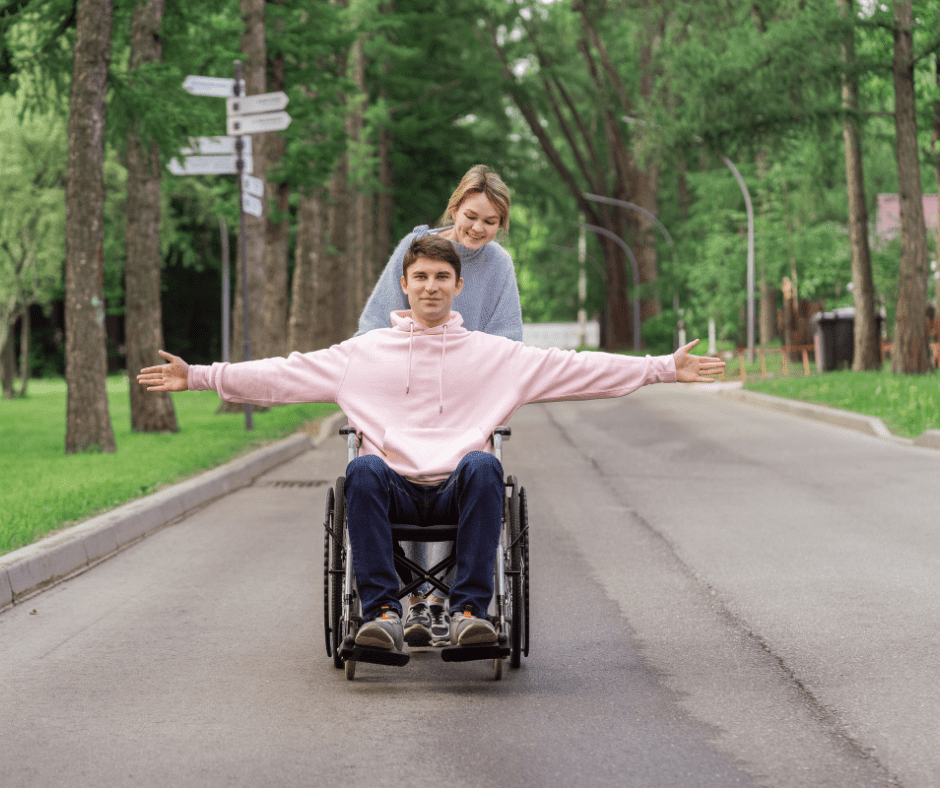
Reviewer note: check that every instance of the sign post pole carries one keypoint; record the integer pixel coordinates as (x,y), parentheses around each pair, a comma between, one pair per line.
(246,310)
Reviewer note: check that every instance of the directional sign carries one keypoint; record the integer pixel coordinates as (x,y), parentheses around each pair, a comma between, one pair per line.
(252,185)
(211,86)
(215,146)
(256,124)
(209,165)
(252,205)
(262,102)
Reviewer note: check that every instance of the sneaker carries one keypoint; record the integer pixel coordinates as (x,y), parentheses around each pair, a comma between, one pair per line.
(418,625)
(440,626)
(383,631)
(468,630)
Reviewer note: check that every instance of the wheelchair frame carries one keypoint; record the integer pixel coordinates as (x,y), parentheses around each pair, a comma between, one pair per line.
(509,609)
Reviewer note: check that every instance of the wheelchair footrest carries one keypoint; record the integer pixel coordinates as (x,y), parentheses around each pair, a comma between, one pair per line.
(470,653)
(375,656)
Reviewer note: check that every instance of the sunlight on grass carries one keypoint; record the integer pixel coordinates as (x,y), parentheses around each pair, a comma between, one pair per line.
(43,489)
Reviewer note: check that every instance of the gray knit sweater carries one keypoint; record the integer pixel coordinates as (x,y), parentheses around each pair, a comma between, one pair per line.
(488,302)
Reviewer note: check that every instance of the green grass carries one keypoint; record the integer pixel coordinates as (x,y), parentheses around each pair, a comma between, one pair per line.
(907,404)
(44,490)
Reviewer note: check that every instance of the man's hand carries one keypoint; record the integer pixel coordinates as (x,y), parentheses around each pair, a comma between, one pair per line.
(692,369)
(167,377)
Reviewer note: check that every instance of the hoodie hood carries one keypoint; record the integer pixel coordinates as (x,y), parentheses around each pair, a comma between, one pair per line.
(403,321)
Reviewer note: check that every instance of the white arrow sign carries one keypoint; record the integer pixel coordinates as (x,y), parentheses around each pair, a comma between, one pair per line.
(215,146)
(211,86)
(209,165)
(252,185)
(257,124)
(252,205)
(262,102)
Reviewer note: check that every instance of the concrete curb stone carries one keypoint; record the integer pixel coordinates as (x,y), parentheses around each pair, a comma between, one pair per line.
(929,438)
(33,568)
(869,425)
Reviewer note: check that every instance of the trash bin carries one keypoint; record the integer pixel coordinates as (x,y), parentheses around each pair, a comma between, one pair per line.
(834,337)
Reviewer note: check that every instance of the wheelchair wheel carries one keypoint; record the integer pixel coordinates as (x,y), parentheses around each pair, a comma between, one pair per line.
(327,539)
(337,569)
(516,607)
(524,525)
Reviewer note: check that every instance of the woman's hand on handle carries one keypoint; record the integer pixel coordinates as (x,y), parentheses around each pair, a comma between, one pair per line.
(167,377)
(693,369)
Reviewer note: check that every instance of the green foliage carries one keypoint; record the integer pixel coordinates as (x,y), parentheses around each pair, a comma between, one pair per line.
(43,489)
(907,404)
(32,208)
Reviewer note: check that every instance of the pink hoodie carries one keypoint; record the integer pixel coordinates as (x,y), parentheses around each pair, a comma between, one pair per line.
(423,397)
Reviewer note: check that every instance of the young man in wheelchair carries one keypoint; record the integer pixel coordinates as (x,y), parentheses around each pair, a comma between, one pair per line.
(426,395)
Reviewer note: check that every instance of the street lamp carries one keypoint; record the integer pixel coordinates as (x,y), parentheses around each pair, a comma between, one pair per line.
(750,242)
(639,209)
(636,276)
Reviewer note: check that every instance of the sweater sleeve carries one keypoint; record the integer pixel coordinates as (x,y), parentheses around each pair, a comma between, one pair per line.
(547,375)
(387,295)
(301,377)
(506,320)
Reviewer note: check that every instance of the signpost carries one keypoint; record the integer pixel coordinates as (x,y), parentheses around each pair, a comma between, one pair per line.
(211,86)
(209,165)
(230,155)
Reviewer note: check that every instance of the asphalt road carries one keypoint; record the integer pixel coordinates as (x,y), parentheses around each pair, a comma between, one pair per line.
(722,596)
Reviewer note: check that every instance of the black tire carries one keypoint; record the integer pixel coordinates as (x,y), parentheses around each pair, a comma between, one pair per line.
(524,525)
(516,607)
(337,567)
(327,539)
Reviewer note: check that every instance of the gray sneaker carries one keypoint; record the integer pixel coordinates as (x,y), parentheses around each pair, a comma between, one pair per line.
(440,626)
(383,631)
(418,625)
(468,630)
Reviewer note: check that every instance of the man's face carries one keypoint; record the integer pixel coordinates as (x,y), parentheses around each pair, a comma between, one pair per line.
(431,287)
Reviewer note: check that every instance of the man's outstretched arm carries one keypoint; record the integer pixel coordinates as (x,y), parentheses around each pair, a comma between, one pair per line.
(166,377)
(693,369)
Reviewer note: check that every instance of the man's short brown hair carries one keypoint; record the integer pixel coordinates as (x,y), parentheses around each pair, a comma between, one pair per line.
(433,247)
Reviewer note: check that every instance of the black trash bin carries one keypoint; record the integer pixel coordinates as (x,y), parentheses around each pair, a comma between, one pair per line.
(834,338)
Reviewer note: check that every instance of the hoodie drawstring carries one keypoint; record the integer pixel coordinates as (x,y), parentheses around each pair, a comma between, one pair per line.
(440,381)
(411,344)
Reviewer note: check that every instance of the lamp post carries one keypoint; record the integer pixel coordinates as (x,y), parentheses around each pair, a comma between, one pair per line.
(636,276)
(672,244)
(750,242)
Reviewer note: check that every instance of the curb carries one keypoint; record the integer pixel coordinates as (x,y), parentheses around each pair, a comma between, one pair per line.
(868,425)
(31,569)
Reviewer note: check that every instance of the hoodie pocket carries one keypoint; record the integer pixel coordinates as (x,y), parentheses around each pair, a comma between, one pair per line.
(430,451)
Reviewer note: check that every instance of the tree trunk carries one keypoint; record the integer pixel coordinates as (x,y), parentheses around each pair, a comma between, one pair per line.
(88,423)
(307,258)
(24,349)
(935,138)
(273,339)
(336,261)
(867,351)
(766,311)
(143,325)
(253,72)
(358,217)
(909,352)
(7,359)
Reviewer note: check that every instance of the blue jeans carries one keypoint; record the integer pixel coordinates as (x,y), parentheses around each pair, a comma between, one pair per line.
(471,498)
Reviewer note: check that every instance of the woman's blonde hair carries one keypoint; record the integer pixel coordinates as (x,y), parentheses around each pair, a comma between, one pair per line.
(480,179)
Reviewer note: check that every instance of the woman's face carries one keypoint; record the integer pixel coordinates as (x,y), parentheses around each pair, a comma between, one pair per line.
(476,222)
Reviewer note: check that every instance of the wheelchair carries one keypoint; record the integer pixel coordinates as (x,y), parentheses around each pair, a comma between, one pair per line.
(509,608)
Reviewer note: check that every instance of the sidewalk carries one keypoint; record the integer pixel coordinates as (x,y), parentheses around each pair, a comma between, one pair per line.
(31,569)
(869,425)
